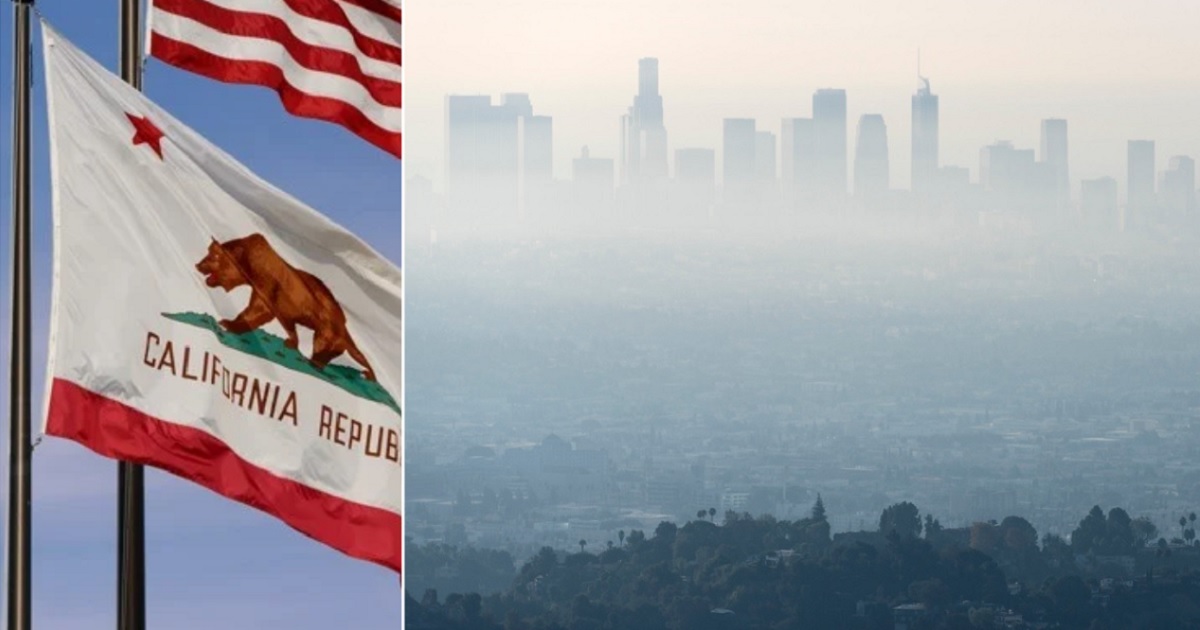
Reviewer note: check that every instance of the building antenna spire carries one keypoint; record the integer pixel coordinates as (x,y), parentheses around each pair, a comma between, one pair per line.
(924,82)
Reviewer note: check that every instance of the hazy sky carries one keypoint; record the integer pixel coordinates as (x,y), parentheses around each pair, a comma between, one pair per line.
(1115,69)
(211,563)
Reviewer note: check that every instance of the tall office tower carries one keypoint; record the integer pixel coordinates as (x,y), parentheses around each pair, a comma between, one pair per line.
(1008,175)
(482,157)
(829,127)
(537,161)
(695,180)
(1098,203)
(1179,187)
(871,175)
(798,160)
(1054,156)
(1139,183)
(498,157)
(738,155)
(592,179)
(924,137)
(643,136)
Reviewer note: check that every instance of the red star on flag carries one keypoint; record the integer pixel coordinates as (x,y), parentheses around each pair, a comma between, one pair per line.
(147,133)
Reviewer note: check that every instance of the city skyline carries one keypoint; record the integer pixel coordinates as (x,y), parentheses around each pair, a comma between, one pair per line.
(993,85)
(808,164)
(901,162)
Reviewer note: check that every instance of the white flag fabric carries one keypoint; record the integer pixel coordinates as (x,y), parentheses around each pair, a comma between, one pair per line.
(208,324)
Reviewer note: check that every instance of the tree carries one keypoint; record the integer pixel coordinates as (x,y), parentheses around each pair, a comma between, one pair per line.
(712,513)
(1118,532)
(902,518)
(1144,531)
(701,514)
(1091,531)
(621,536)
(1018,534)
(472,605)
(818,509)
(582,544)
(933,527)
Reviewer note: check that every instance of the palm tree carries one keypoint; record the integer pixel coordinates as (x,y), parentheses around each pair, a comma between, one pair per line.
(582,544)
(712,513)
(621,535)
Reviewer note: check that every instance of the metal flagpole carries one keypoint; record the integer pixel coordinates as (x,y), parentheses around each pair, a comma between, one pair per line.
(19,447)
(131,520)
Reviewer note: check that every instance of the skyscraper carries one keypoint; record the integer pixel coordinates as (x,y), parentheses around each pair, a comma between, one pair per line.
(1139,184)
(871,174)
(695,180)
(1098,203)
(924,137)
(829,126)
(1054,156)
(592,179)
(738,153)
(1178,187)
(482,156)
(797,160)
(537,161)
(497,156)
(643,136)
(1007,174)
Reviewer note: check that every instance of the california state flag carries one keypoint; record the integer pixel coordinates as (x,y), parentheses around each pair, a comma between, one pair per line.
(208,324)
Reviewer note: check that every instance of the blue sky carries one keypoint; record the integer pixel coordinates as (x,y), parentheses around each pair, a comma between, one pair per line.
(211,563)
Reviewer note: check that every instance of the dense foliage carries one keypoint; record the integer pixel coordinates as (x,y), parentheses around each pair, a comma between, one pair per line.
(764,573)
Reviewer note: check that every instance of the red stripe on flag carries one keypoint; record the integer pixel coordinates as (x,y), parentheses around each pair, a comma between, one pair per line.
(273,28)
(116,430)
(296,102)
(381,7)
(330,11)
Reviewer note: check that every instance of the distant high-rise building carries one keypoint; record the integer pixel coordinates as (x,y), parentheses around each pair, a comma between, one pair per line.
(643,135)
(498,157)
(797,159)
(1098,203)
(924,137)
(1139,183)
(537,160)
(592,179)
(695,179)
(871,175)
(739,150)
(1054,156)
(738,155)
(696,165)
(829,126)
(482,155)
(1179,186)
(1013,179)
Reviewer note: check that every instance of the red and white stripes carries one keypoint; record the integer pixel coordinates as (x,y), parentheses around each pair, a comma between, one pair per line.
(335,60)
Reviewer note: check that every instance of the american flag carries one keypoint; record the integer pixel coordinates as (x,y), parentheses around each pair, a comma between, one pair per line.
(334,60)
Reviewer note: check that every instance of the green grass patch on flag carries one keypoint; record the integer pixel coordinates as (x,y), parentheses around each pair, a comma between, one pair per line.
(271,348)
